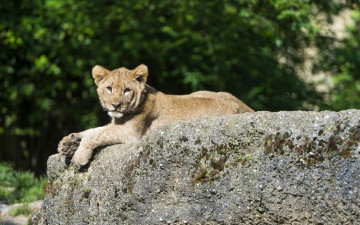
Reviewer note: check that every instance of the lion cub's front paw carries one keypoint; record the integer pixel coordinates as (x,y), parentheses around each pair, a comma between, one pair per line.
(81,156)
(68,145)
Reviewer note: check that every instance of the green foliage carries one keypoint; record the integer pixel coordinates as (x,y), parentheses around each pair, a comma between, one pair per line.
(345,65)
(49,47)
(17,186)
(24,209)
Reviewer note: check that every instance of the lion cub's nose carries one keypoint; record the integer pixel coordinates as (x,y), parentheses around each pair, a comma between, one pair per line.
(116,105)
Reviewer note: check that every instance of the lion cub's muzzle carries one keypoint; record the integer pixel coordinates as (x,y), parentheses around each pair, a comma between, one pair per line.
(116,111)
(116,114)
(116,105)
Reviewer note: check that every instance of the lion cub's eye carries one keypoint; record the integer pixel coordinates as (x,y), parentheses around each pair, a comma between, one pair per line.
(109,89)
(126,90)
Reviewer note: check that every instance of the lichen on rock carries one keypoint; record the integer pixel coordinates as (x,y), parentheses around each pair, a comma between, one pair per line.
(254,168)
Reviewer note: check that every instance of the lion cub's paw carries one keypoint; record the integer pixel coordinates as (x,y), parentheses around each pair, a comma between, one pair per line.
(68,145)
(81,157)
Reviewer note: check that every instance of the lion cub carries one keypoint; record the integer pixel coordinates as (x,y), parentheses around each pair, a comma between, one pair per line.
(136,108)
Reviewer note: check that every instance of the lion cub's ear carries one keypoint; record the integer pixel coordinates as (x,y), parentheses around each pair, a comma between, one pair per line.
(98,73)
(141,74)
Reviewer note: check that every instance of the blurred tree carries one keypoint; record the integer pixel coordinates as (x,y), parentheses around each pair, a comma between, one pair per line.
(48,48)
(343,61)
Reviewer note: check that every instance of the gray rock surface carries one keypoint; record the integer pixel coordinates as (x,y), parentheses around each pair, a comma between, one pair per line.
(260,168)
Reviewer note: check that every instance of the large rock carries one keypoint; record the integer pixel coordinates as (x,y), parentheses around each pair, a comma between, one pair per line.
(259,168)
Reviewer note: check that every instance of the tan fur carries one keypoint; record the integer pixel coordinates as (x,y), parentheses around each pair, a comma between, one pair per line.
(137,108)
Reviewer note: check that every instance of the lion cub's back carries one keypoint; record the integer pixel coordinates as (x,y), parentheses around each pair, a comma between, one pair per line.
(225,99)
(197,105)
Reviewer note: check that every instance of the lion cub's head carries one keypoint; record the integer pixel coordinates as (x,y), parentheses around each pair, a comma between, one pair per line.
(121,90)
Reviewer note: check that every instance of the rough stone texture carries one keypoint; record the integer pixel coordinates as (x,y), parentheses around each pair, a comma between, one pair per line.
(259,168)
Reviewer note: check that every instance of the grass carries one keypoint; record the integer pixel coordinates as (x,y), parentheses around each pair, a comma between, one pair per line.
(20,186)
(24,209)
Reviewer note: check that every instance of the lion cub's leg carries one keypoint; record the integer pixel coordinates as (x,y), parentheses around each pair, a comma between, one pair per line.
(70,143)
(108,135)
